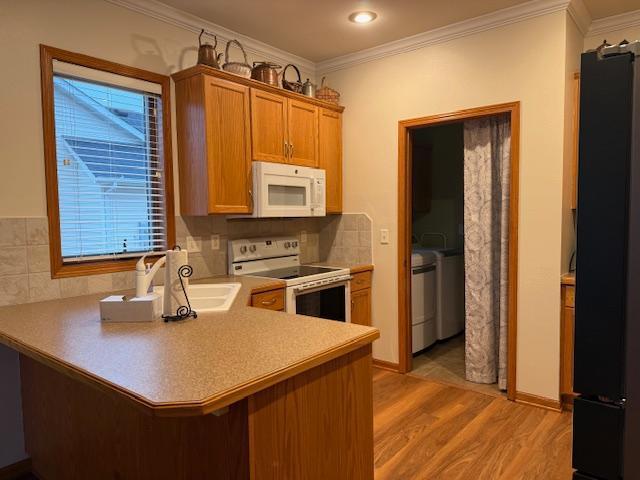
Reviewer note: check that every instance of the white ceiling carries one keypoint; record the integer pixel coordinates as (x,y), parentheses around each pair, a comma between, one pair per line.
(319,30)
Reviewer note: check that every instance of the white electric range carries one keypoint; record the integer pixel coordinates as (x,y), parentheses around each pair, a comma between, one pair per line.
(322,292)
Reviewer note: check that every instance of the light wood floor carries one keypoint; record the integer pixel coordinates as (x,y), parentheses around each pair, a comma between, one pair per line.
(429,430)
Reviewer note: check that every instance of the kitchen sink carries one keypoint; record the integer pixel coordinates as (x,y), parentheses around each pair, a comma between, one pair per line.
(214,297)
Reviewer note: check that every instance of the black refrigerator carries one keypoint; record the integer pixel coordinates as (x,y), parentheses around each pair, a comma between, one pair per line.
(606,417)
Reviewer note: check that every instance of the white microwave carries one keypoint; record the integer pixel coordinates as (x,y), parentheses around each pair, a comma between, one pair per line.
(282,190)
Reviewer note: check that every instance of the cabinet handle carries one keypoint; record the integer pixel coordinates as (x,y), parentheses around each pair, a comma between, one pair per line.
(268,303)
(353,303)
(291,152)
(286,150)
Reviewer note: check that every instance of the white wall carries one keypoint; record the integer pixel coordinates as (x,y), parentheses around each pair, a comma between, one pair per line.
(523,61)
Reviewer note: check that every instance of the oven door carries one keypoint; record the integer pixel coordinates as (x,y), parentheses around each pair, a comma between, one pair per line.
(331,302)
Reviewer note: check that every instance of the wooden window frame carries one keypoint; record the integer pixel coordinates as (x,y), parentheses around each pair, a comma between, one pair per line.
(47,56)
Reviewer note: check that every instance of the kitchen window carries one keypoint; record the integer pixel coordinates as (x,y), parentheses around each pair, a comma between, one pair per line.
(107,162)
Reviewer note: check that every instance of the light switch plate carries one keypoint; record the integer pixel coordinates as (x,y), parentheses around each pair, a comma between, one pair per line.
(303,236)
(384,236)
(194,244)
(215,242)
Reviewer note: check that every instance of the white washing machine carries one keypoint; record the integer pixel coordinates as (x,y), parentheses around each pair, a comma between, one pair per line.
(450,304)
(423,299)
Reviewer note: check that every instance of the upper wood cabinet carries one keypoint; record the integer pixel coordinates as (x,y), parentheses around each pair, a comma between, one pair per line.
(269,127)
(303,133)
(225,121)
(284,130)
(330,156)
(213,146)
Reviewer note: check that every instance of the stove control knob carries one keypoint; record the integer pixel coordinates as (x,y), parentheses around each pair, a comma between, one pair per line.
(294,244)
(243,249)
(287,244)
(252,248)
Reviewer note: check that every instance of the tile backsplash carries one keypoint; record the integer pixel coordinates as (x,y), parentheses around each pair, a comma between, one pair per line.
(24,251)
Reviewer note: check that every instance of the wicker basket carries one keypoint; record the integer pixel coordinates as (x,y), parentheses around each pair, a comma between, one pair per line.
(237,68)
(327,94)
(292,86)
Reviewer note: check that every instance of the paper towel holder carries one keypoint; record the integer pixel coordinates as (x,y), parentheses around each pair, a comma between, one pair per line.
(183,311)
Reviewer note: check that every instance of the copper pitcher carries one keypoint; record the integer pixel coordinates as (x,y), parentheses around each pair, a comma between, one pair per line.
(207,54)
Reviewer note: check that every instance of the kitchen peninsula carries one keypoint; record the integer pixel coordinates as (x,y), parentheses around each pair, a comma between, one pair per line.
(249,393)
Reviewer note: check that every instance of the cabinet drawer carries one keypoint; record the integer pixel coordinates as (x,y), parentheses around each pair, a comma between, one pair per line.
(569,296)
(361,281)
(273,300)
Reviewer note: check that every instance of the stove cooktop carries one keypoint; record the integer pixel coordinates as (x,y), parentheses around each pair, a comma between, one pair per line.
(299,271)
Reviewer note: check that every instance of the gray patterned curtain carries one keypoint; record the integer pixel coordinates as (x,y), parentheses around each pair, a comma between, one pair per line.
(487,151)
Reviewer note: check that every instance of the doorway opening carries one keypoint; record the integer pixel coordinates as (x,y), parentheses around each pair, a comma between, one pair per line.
(458,182)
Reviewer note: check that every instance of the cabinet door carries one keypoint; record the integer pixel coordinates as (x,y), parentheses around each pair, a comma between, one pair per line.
(361,307)
(268,126)
(330,156)
(228,146)
(303,133)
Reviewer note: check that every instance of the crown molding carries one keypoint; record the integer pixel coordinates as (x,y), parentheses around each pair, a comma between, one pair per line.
(193,23)
(580,15)
(606,25)
(499,18)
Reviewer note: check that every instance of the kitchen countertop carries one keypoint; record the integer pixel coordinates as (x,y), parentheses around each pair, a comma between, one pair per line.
(192,367)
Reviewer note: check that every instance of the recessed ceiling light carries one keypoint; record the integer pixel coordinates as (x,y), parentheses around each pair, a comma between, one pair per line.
(363,17)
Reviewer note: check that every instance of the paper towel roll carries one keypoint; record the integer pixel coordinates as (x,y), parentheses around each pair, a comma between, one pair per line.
(174,297)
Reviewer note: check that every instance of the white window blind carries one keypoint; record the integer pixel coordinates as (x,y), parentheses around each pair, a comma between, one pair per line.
(110,165)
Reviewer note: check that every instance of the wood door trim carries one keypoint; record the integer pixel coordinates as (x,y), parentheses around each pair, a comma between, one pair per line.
(404,227)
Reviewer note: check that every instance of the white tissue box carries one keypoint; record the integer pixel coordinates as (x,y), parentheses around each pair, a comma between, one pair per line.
(118,308)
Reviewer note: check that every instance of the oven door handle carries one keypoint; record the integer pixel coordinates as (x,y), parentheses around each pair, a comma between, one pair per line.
(322,286)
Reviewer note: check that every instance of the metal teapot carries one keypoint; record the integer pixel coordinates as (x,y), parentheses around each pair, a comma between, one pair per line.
(309,89)
(207,54)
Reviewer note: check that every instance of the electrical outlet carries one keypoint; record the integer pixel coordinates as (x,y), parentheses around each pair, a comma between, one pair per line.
(194,244)
(303,236)
(215,242)
(384,236)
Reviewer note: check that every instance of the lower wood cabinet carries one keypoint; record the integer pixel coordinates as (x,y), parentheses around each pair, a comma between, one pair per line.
(272,300)
(361,298)
(567,329)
